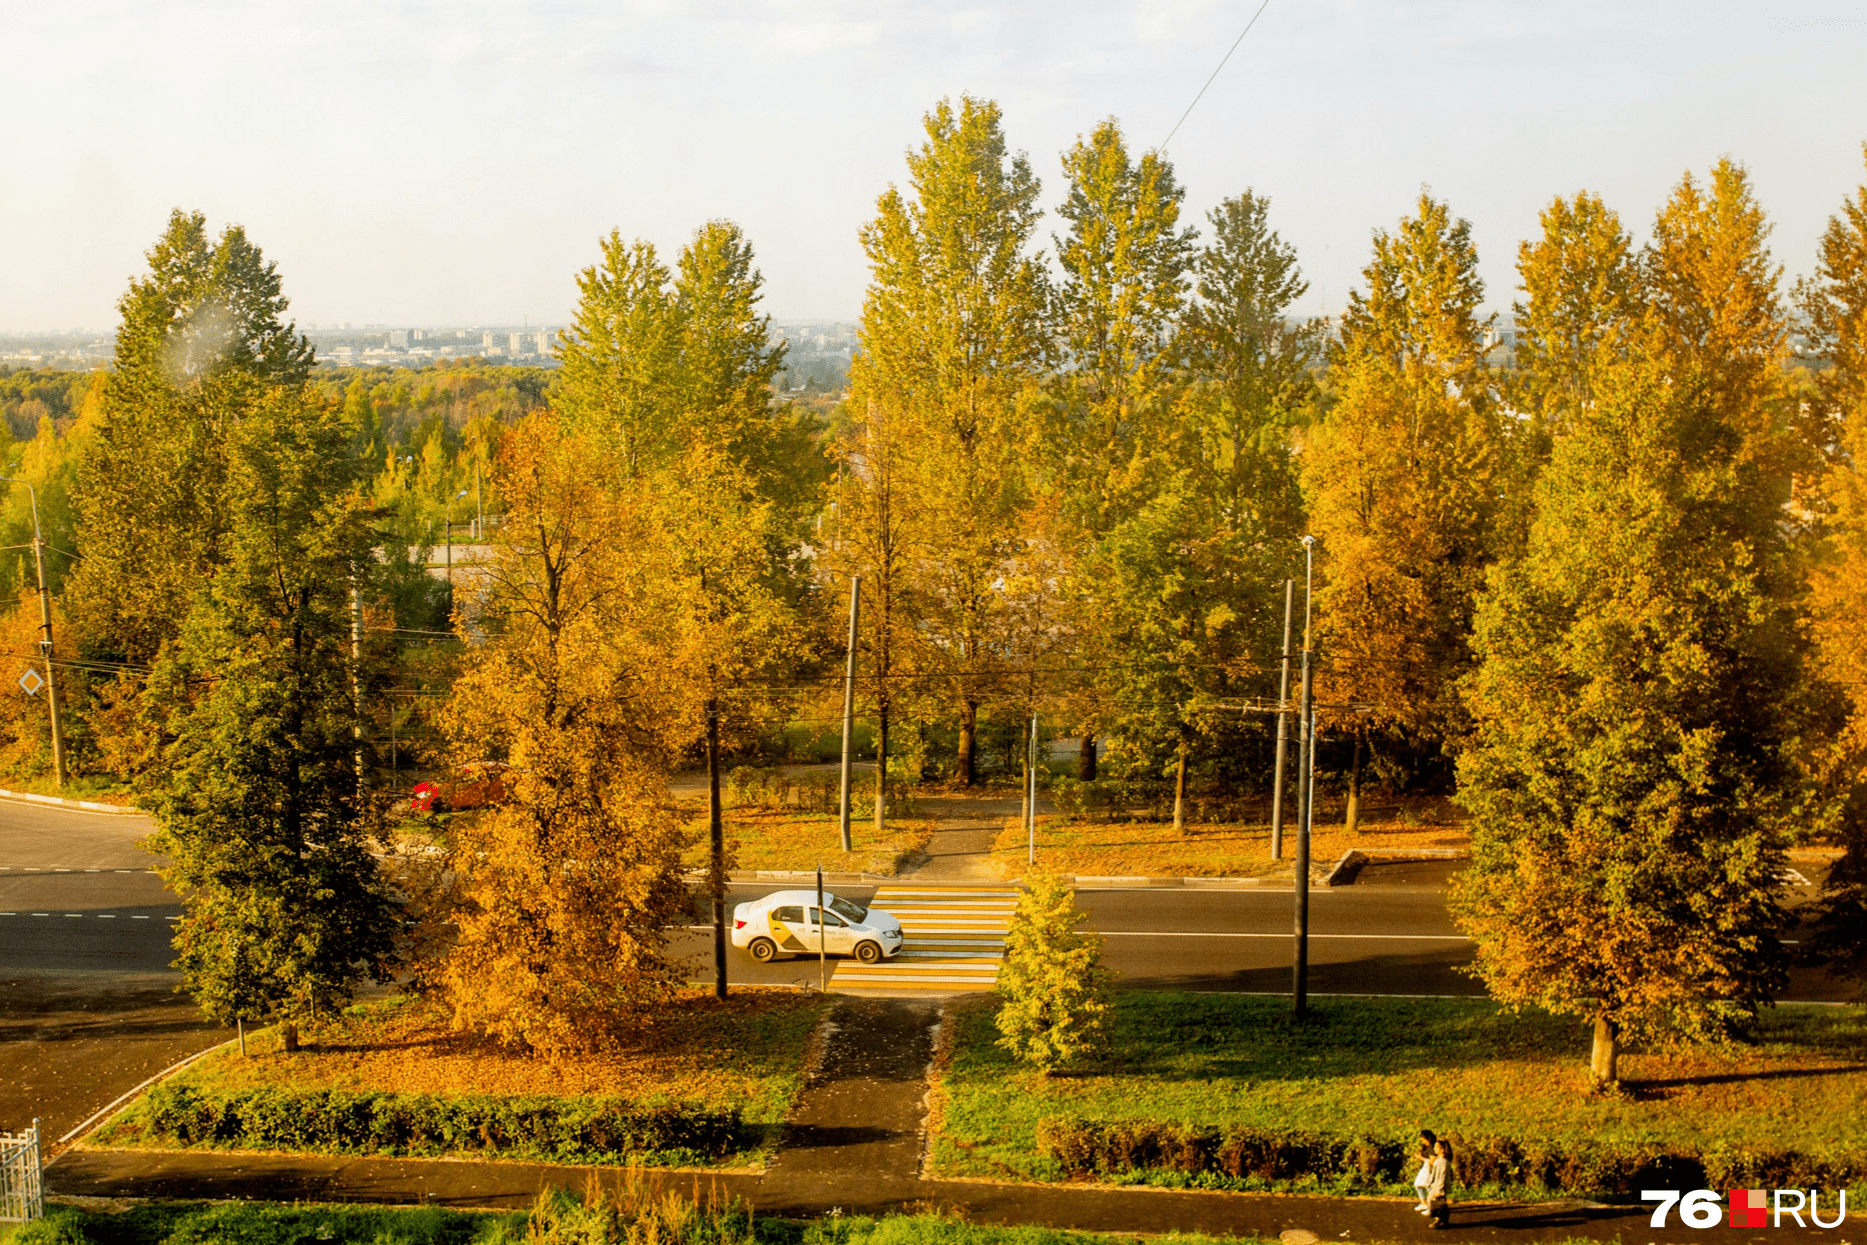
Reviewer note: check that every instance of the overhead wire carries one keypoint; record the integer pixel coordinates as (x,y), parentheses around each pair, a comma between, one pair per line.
(1215,75)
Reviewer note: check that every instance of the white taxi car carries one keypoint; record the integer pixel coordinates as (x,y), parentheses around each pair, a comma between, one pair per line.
(785,923)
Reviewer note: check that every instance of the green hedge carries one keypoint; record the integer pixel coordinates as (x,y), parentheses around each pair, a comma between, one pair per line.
(555,1129)
(1118,1147)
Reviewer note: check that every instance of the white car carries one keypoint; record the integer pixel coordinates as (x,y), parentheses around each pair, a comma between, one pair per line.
(785,923)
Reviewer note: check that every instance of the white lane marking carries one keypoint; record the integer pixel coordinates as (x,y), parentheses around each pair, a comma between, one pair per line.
(1142,933)
(42,914)
(136,917)
(106,916)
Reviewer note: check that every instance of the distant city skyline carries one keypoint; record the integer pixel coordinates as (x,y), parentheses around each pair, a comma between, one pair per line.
(417,163)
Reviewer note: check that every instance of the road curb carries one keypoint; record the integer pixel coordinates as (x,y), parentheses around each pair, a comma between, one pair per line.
(57,801)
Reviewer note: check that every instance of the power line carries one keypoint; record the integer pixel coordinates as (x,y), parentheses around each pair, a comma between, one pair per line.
(1215,74)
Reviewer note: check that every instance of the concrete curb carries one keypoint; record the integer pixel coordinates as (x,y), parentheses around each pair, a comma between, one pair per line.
(123,1101)
(89,806)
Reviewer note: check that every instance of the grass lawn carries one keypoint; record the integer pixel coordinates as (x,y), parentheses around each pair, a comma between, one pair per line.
(1153,849)
(787,839)
(1388,1067)
(557,1220)
(747,1051)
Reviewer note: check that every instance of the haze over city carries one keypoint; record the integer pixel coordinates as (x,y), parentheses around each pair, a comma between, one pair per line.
(455,164)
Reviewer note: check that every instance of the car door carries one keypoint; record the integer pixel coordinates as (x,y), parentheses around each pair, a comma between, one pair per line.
(789,931)
(837,938)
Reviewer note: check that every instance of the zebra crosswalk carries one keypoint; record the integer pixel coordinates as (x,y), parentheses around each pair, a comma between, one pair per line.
(953,941)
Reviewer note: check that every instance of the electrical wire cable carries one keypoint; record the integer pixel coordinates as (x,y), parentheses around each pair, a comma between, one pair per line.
(1215,75)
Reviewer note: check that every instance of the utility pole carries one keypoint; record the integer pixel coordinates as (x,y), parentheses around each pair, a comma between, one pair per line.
(479,508)
(45,638)
(823,955)
(1306,763)
(849,704)
(716,831)
(1283,731)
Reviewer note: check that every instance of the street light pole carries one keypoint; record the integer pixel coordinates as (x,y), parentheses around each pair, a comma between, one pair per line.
(1283,731)
(1306,764)
(849,705)
(45,624)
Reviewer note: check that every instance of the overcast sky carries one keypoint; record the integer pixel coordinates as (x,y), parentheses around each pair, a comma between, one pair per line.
(455,163)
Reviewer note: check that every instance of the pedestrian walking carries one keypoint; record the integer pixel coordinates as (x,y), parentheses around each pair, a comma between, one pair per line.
(1439,1192)
(1423,1179)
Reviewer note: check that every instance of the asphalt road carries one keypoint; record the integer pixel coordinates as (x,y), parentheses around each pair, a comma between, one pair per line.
(1389,933)
(87,999)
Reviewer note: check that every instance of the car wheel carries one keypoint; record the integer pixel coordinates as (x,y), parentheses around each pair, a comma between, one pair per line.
(868,952)
(764,950)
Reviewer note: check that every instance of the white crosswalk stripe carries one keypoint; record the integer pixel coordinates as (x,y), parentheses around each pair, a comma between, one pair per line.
(954,940)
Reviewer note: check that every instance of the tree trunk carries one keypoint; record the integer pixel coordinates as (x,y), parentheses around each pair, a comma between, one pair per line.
(1086,759)
(881,765)
(716,831)
(1604,1061)
(969,744)
(1179,789)
(1352,819)
(288,1032)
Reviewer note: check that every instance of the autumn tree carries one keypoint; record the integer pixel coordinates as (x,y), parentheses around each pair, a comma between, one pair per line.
(1057,1008)
(570,881)
(1630,773)
(619,358)
(203,341)
(255,790)
(1834,303)
(953,339)
(1124,263)
(1186,584)
(1398,479)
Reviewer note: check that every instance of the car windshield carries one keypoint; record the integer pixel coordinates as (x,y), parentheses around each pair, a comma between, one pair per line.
(850,911)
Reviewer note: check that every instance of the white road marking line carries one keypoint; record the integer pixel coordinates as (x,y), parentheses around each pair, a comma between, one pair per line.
(106,916)
(1142,933)
(42,914)
(136,917)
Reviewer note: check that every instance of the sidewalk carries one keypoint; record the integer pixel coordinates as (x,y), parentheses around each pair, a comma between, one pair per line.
(317,1178)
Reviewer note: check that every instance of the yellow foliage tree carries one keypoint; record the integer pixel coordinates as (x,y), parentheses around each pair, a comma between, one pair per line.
(571,880)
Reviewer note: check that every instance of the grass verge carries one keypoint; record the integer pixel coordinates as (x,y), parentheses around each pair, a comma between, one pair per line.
(1384,1068)
(557,1219)
(744,1055)
(1155,849)
(778,839)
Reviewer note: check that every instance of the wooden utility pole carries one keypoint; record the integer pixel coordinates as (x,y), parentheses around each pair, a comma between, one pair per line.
(849,704)
(716,831)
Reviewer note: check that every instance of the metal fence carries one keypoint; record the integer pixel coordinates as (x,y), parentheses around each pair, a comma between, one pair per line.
(22,1197)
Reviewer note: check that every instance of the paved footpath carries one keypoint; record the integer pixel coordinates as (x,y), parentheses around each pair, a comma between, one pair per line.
(855,1144)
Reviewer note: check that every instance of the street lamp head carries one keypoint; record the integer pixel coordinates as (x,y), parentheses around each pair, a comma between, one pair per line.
(463,492)
(1308,541)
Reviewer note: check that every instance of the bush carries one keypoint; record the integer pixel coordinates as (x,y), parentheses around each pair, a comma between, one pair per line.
(1084,1147)
(748,786)
(1057,1008)
(553,1129)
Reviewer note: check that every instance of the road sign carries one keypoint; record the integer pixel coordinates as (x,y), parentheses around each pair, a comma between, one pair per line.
(30,682)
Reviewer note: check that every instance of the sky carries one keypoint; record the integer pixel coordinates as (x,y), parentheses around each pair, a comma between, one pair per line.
(456,163)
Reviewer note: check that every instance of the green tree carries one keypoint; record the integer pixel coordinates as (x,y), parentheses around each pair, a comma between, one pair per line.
(1398,480)
(1056,1008)
(953,340)
(1630,772)
(255,788)
(618,378)
(203,341)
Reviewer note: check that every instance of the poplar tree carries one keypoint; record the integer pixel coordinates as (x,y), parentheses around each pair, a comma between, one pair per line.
(1834,303)
(255,788)
(1630,772)
(953,340)
(203,341)
(1125,261)
(1398,480)
(619,357)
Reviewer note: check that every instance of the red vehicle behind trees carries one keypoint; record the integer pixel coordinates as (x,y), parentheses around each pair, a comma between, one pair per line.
(476,785)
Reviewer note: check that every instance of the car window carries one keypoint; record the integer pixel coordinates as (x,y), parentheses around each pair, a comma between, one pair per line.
(793,914)
(834,921)
(853,912)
